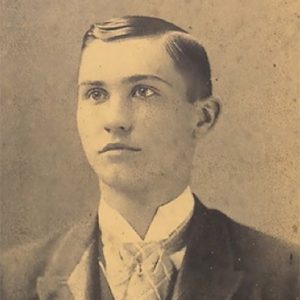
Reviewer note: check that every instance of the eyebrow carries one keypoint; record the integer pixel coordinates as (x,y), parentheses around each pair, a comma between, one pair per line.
(92,82)
(131,79)
(135,78)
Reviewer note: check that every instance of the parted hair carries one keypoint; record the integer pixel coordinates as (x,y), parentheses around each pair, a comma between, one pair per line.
(188,55)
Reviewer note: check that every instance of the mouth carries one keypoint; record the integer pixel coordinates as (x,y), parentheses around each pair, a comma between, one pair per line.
(118,146)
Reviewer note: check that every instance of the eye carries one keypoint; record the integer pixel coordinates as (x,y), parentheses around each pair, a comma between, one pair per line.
(143,92)
(97,94)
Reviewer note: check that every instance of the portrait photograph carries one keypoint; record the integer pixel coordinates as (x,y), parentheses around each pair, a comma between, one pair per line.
(150,150)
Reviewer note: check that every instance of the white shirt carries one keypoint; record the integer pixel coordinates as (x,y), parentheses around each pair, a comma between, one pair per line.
(116,230)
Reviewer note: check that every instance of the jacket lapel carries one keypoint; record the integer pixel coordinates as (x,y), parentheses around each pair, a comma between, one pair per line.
(208,267)
(54,284)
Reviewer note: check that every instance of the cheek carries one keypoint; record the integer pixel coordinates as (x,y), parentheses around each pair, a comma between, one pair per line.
(82,125)
(87,120)
(167,128)
(87,128)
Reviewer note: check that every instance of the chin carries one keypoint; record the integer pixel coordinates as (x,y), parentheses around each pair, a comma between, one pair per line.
(126,179)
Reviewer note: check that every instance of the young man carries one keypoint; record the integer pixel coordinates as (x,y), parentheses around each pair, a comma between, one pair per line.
(144,102)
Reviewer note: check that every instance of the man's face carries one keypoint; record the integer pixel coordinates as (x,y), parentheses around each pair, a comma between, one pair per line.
(135,122)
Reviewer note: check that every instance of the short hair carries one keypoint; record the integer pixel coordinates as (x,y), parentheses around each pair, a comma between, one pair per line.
(188,55)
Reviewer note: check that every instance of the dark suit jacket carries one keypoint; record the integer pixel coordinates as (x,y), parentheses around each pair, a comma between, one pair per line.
(224,260)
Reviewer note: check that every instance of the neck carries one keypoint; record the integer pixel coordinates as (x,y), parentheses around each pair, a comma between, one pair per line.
(138,208)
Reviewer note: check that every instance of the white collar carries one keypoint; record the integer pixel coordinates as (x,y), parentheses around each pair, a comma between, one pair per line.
(115,229)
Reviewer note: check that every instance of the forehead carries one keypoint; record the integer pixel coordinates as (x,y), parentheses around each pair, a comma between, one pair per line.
(115,60)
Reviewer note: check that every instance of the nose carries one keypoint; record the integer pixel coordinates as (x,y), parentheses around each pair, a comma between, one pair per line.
(119,117)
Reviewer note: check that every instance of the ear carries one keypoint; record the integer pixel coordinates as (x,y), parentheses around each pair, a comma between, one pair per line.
(208,110)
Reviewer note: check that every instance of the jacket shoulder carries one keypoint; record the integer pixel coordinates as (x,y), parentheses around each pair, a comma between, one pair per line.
(262,251)
(259,250)
(21,265)
(271,264)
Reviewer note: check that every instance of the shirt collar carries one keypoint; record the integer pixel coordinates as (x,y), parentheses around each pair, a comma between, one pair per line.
(115,229)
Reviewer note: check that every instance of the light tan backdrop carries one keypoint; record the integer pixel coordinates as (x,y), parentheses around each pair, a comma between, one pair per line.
(246,167)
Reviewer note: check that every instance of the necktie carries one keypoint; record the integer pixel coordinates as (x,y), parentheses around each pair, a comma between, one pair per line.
(152,271)
(148,272)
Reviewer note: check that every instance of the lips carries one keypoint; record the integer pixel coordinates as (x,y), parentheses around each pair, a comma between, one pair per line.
(118,146)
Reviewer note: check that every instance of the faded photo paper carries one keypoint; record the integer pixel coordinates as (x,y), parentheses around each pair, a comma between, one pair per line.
(150,150)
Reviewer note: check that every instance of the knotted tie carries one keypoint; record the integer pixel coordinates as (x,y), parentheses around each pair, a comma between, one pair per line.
(152,271)
(148,272)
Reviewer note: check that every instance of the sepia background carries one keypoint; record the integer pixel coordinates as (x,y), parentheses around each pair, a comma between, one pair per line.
(247,167)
